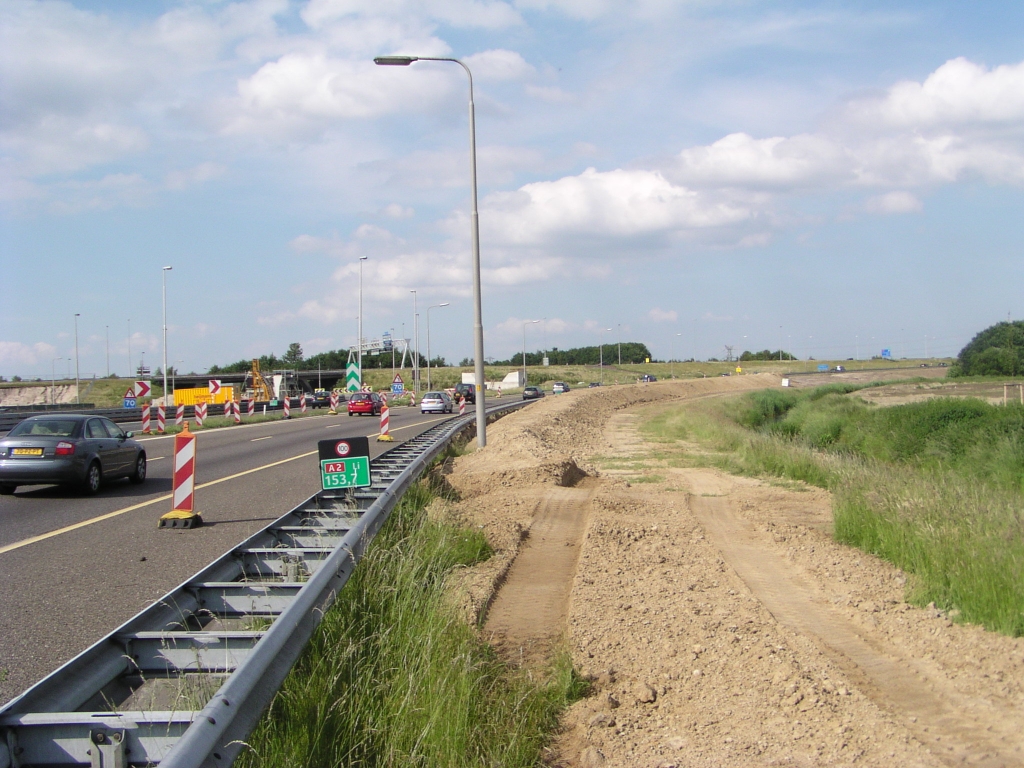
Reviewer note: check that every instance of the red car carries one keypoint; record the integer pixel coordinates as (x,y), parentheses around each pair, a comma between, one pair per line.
(364,402)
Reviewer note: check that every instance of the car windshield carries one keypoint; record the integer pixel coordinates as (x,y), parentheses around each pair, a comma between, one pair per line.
(359,396)
(433,396)
(44,428)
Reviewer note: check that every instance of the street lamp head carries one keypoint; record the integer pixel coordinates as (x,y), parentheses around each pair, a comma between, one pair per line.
(394,61)
(445,304)
(363,258)
(168,268)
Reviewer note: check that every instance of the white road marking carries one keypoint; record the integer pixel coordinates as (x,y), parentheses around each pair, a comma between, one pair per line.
(257,439)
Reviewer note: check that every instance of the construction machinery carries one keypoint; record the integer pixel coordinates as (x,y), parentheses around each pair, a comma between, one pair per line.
(256,386)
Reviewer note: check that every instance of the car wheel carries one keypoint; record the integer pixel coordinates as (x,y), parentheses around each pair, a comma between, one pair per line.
(139,475)
(6,489)
(93,479)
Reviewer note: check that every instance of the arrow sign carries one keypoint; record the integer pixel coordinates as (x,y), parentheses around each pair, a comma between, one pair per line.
(141,388)
(130,394)
(214,386)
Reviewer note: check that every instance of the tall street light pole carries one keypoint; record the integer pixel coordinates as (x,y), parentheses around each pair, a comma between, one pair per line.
(78,397)
(415,344)
(108,351)
(432,306)
(600,353)
(478,324)
(53,380)
(163,274)
(359,341)
(526,323)
(619,334)
(130,369)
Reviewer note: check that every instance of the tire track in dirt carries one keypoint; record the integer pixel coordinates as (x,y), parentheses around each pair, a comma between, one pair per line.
(527,618)
(956,729)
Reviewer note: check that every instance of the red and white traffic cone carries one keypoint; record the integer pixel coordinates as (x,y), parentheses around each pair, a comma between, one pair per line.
(200,413)
(462,406)
(287,403)
(183,514)
(499,392)
(161,418)
(252,407)
(412,397)
(145,419)
(334,404)
(302,403)
(236,408)
(179,415)
(385,429)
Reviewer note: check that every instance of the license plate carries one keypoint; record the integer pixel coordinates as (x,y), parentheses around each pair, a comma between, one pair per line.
(27,452)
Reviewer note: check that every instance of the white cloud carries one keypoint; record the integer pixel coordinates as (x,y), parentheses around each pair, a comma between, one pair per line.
(619,204)
(659,315)
(396,211)
(499,64)
(486,14)
(17,353)
(894,202)
(189,177)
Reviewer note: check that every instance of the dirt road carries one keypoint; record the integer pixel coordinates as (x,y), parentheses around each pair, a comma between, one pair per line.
(718,621)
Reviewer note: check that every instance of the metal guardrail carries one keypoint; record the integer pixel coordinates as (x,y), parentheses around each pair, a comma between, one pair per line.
(125,700)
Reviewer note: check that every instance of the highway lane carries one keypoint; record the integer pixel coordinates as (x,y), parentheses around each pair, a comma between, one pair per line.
(34,510)
(60,594)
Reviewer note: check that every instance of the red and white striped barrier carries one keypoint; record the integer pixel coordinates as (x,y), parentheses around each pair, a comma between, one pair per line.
(200,413)
(161,418)
(183,514)
(287,403)
(237,409)
(145,419)
(385,424)
(334,402)
(179,415)
(302,402)
(252,407)
(412,397)
(227,409)
(462,406)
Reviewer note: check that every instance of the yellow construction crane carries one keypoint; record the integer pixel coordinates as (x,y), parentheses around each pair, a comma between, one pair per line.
(260,388)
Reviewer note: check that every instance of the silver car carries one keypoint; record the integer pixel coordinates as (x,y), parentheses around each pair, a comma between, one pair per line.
(71,449)
(436,402)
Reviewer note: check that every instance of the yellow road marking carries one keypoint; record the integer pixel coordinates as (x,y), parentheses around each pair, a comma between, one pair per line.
(116,513)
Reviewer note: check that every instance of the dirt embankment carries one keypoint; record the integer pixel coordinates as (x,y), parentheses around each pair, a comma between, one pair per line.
(717,619)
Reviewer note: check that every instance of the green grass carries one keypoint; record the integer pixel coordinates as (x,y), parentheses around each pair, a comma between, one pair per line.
(936,488)
(395,677)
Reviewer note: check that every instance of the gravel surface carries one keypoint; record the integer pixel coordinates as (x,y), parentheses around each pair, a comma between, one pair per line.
(716,618)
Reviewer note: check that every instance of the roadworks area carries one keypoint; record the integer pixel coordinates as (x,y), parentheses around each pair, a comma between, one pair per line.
(716,619)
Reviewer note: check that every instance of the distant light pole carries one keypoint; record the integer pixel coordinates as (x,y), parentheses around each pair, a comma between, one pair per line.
(672,353)
(53,380)
(432,306)
(392,354)
(130,369)
(478,323)
(108,351)
(359,341)
(78,396)
(163,275)
(780,343)
(526,323)
(619,334)
(856,340)
(415,344)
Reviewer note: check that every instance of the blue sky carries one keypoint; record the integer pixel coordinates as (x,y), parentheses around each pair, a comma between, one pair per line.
(835,177)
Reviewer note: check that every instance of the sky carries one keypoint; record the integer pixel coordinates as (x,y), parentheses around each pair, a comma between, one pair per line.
(831,177)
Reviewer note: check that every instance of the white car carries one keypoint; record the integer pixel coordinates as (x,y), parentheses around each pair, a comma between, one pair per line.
(436,402)
(558,387)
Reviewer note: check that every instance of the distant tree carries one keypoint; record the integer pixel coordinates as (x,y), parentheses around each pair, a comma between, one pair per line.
(996,351)
(466,362)
(766,354)
(294,354)
(15,378)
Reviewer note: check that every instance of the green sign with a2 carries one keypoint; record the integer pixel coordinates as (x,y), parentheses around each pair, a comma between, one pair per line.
(351,472)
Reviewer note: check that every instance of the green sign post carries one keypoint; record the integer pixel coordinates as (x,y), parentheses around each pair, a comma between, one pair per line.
(351,472)
(352,377)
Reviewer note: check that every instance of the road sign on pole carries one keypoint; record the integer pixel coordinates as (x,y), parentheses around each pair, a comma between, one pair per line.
(129,402)
(141,389)
(344,463)
(397,386)
(352,376)
(214,386)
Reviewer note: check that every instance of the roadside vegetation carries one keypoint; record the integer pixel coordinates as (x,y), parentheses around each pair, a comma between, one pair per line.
(935,487)
(394,676)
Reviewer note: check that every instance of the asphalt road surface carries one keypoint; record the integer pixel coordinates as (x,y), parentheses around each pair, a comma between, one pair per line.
(73,568)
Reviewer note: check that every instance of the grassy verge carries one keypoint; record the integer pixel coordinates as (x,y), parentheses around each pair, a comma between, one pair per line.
(395,677)
(935,488)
